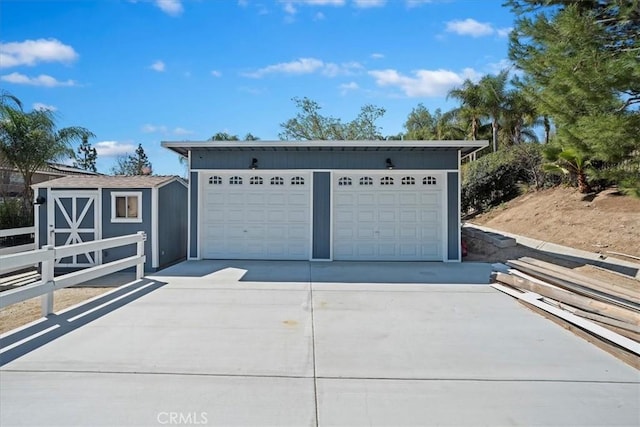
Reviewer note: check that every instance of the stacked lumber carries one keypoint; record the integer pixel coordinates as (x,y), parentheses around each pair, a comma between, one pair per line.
(605,313)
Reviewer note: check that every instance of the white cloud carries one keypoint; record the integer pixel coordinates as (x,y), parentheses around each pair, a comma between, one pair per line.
(243,3)
(348,87)
(321,2)
(32,52)
(369,3)
(170,7)
(300,66)
(150,128)
(41,80)
(307,66)
(158,66)
(182,131)
(416,3)
(377,56)
(423,83)
(216,73)
(319,16)
(290,8)
(470,27)
(504,32)
(113,148)
(41,106)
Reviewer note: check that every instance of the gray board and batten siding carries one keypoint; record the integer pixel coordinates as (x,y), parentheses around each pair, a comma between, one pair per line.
(172,223)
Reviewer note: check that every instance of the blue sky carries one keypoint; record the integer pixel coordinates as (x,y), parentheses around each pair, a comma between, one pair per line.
(151,70)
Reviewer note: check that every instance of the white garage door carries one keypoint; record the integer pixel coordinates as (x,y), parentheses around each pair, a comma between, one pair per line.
(388,216)
(251,215)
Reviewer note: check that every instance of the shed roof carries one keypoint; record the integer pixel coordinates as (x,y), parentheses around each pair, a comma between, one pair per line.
(465,147)
(104,181)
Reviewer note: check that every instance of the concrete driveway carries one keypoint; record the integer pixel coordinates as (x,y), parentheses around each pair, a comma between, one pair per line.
(298,343)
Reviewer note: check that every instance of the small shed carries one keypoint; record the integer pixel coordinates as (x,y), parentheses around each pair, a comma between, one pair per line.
(77,209)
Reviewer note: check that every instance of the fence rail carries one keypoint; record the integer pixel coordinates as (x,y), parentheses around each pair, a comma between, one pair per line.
(13,232)
(47,256)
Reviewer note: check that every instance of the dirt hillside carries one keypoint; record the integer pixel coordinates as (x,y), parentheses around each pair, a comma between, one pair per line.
(604,222)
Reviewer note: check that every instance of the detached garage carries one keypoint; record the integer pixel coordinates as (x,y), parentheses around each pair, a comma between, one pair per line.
(325,200)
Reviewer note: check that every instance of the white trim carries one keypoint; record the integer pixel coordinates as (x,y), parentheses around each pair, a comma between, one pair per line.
(36,223)
(114,194)
(155,255)
(459,209)
(50,217)
(445,216)
(98,220)
(348,171)
(176,178)
(189,225)
(328,144)
(312,186)
(199,215)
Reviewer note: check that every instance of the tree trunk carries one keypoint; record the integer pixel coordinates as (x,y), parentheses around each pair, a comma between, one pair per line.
(494,126)
(583,185)
(27,196)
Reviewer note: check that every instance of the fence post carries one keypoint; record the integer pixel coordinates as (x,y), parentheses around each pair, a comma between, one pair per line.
(140,253)
(46,274)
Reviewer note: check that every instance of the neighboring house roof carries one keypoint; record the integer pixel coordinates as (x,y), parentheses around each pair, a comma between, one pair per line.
(54,169)
(465,147)
(105,181)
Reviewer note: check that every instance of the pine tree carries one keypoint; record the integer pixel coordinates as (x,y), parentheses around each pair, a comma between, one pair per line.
(133,164)
(86,156)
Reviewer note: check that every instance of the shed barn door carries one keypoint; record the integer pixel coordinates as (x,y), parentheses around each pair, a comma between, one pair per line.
(74,217)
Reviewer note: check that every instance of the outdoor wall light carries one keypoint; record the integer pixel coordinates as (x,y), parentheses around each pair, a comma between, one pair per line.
(254,163)
(40,200)
(389,164)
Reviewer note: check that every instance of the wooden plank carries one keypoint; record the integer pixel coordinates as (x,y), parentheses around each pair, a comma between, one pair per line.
(634,330)
(567,297)
(552,277)
(597,284)
(591,327)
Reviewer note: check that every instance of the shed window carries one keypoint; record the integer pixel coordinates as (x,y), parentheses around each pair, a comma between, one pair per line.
(235,180)
(215,180)
(256,180)
(277,180)
(408,180)
(126,206)
(345,180)
(366,180)
(429,180)
(297,180)
(386,180)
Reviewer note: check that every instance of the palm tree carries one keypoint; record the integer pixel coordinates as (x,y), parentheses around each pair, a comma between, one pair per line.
(571,162)
(492,94)
(471,109)
(28,140)
(518,117)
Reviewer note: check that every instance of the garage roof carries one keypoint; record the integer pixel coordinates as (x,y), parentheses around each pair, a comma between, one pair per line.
(465,147)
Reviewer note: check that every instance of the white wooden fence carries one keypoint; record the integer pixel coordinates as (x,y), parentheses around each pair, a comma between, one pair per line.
(17,232)
(47,256)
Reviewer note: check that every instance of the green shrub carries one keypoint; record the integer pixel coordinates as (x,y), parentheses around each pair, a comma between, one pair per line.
(12,214)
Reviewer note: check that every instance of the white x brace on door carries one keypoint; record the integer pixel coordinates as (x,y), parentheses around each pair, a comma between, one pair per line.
(74,217)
